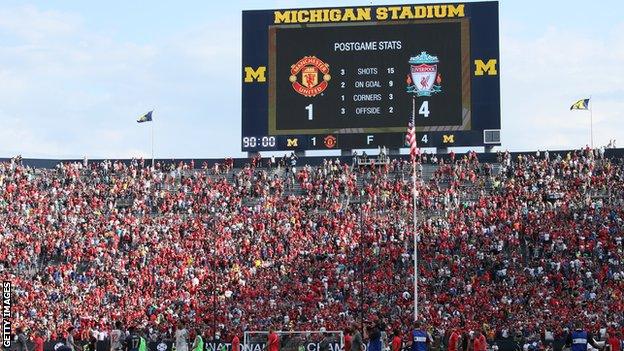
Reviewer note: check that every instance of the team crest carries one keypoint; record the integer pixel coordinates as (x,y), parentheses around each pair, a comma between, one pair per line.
(330,141)
(424,79)
(309,76)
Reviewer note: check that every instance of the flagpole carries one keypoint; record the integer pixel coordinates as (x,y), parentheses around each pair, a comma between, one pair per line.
(591,122)
(152,141)
(414,215)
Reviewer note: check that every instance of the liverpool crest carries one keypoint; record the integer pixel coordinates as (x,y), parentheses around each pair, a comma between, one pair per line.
(424,79)
(304,76)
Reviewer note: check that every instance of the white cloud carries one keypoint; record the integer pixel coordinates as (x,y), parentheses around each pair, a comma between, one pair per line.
(18,137)
(33,25)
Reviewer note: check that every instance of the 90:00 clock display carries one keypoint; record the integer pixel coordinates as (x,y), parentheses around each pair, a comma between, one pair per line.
(264,141)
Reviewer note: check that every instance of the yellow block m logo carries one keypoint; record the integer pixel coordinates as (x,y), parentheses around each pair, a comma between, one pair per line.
(258,74)
(448,139)
(292,142)
(489,67)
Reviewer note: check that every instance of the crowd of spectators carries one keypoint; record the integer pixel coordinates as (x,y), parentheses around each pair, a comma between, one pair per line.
(524,246)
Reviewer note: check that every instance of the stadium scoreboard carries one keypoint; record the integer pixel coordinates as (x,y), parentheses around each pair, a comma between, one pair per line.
(355,77)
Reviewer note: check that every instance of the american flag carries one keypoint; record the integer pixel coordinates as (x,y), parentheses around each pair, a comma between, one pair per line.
(410,139)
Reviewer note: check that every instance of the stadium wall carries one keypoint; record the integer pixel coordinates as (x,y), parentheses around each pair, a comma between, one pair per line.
(311,160)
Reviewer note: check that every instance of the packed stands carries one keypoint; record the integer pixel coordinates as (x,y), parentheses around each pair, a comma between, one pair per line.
(527,244)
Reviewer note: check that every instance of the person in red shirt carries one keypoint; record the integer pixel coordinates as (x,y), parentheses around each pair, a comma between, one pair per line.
(273,341)
(235,342)
(615,341)
(38,341)
(479,343)
(453,343)
(396,341)
(347,340)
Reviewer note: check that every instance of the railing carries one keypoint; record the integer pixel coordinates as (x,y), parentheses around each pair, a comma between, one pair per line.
(373,161)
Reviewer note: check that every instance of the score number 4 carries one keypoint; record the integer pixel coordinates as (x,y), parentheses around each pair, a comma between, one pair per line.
(424,109)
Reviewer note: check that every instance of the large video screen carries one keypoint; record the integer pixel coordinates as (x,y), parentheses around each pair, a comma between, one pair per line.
(345,78)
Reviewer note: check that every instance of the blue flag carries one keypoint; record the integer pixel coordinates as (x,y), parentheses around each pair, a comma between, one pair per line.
(145,118)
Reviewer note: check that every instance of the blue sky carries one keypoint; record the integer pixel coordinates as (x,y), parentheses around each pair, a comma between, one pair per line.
(75,74)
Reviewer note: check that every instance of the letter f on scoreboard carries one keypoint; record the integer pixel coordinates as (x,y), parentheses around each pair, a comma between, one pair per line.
(258,74)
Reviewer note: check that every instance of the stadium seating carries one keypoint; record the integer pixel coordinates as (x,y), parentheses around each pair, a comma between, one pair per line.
(525,244)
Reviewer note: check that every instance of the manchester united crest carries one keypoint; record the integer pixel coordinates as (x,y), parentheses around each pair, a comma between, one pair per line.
(424,79)
(309,76)
(330,141)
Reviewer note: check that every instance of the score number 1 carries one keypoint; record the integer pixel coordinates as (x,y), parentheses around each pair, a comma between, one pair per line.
(310,109)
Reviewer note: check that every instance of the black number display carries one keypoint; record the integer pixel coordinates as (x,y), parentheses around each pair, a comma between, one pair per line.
(363,76)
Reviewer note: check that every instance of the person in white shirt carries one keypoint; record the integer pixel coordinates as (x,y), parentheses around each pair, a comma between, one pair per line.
(181,338)
(116,336)
(69,341)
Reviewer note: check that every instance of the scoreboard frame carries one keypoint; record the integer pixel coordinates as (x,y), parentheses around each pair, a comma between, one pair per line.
(480,61)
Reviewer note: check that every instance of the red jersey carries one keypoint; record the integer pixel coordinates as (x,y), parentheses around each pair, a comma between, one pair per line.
(453,339)
(235,343)
(273,342)
(38,343)
(480,344)
(615,343)
(347,342)
(396,343)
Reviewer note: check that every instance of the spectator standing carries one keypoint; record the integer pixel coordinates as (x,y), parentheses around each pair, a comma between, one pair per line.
(143,342)
(396,341)
(579,338)
(293,160)
(374,338)
(347,339)
(420,338)
(479,342)
(614,341)
(356,340)
(22,340)
(325,343)
(235,342)
(198,343)
(272,341)
(384,335)
(465,341)
(116,337)
(92,341)
(38,341)
(181,338)
(133,341)
(69,341)
(454,341)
